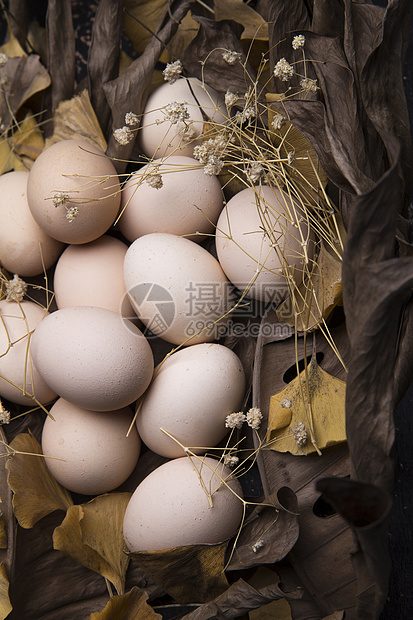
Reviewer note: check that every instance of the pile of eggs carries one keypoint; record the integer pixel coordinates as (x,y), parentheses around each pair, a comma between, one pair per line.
(91,359)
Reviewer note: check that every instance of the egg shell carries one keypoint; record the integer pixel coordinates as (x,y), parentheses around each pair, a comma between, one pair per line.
(25,248)
(92,357)
(176,288)
(243,247)
(189,200)
(18,320)
(190,396)
(88,177)
(170,508)
(91,274)
(158,137)
(91,450)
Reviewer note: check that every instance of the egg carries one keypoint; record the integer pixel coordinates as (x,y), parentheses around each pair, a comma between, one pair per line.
(190,396)
(91,274)
(177,288)
(189,201)
(89,452)
(171,508)
(73,191)
(20,381)
(172,120)
(92,357)
(25,248)
(253,259)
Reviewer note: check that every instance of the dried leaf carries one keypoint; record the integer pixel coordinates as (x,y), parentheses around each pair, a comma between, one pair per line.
(194,573)
(318,402)
(92,534)
(3,533)
(129,606)
(75,119)
(19,150)
(255,27)
(60,50)
(315,299)
(12,47)
(21,78)
(5,604)
(36,492)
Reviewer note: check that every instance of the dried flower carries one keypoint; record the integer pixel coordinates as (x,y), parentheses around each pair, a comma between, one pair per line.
(260,543)
(4,415)
(255,172)
(249,112)
(309,85)
(290,157)
(187,131)
(3,59)
(15,289)
(230,460)
(283,70)
(254,417)
(230,99)
(175,112)
(235,420)
(298,41)
(286,403)
(214,146)
(123,135)
(231,57)
(60,198)
(278,121)
(172,71)
(300,434)
(214,165)
(71,213)
(131,119)
(155,181)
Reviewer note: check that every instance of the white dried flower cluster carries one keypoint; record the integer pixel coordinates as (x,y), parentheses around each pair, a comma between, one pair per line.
(4,415)
(172,71)
(230,99)
(131,119)
(278,121)
(286,403)
(300,434)
(283,70)
(290,157)
(15,289)
(155,181)
(210,154)
(260,543)
(298,41)
(309,85)
(248,113)
(235,420)
(72,212)
(256,172)
(214,166)
(187,131)
(176,112)
(231,57)
(254,417)
(123,135)
(60,198)
(230,460)
(3,59)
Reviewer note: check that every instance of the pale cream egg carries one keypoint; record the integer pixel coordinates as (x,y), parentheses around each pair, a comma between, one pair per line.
(262,240)
(73,191)
(89,452)
(92,357)
(25,248)
(20,381)
(172,508)
(172,120)
(171,195)
(177,288)
(190,396)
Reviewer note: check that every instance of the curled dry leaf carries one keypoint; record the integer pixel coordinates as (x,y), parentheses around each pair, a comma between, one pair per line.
(92,535)
(194,573)
(129,606)
(75,119)
(318,403)
(5,604)
(255,27)
(60,50)
(36,492)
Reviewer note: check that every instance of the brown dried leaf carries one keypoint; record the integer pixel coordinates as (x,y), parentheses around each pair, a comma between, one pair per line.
(194,573)
(36,492)
(317,401)
(255,27)
(92,534)
(3,533)
(75,119)
(5,604)
(129,606)
(60,50)
(18,151)
(12,47)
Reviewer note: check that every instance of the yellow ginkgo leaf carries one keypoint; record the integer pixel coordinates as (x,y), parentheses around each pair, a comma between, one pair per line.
(5,605)
(12,47)
(130,606)
(315,402)
(18,151)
